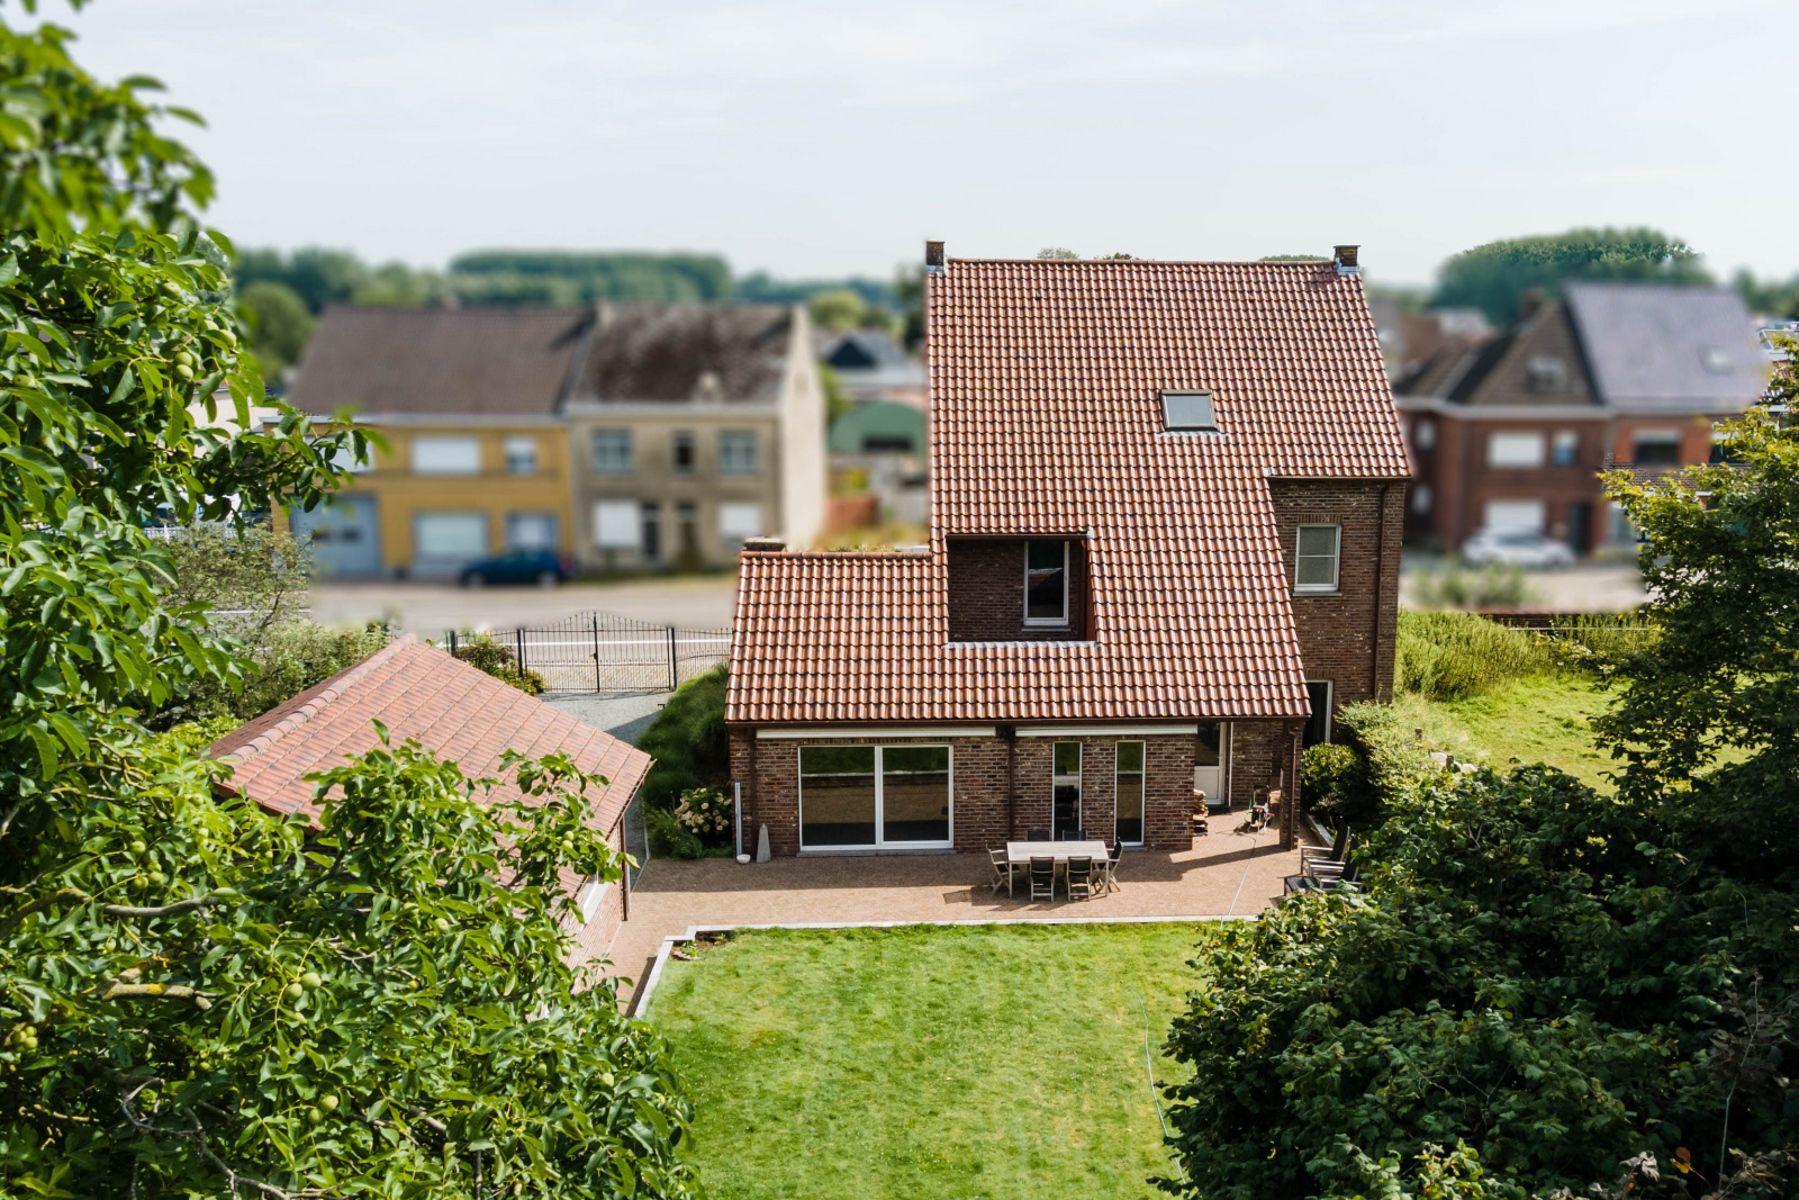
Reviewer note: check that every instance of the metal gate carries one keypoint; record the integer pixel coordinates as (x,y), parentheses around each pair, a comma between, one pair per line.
(601,652)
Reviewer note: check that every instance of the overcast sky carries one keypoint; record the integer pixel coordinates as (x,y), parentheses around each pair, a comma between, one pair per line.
(830,138)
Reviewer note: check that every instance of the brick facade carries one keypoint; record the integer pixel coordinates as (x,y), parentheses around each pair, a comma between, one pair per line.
(986,593)
(986,770)
(1347,636)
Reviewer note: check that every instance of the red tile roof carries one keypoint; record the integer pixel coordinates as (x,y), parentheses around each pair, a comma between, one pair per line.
(422,693)
(1045,381)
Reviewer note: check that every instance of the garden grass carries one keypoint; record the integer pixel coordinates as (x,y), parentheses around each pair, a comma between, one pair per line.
(951,1063)
(1542,718)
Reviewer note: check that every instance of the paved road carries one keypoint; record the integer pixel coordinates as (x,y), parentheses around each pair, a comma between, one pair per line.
(1586,587)
(698,602)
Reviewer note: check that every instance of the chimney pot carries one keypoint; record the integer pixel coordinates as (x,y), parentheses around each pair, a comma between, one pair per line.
(764,545)
(1346,258)
(933,258)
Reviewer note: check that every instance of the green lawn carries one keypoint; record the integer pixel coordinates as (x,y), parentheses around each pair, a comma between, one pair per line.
(988,1061)
(1540,719)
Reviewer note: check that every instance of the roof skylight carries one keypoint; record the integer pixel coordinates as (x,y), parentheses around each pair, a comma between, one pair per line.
(1188,412)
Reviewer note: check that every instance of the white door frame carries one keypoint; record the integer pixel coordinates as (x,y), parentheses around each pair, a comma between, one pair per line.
(880,842)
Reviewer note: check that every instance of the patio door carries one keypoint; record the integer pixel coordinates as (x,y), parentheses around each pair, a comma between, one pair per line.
(1065,790)
(1211,763)
(875,797)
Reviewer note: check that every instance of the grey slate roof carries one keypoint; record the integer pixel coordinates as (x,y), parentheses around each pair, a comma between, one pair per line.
(1663,347)
(420,361)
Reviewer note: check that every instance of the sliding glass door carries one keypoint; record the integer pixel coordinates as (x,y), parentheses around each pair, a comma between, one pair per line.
(1065,790)
(875,797)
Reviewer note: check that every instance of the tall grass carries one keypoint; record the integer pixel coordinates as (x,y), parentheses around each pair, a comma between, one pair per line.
(1449,655)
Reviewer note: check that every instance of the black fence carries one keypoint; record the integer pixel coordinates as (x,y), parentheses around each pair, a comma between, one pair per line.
(600,652)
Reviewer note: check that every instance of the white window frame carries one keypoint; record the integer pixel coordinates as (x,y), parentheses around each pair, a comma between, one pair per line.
(732,534)
(606,466)
(418,541)
(1171,400)
(1117,774)
(549,520)
(464,464)
(880,819)
(1336,559)
(1659,436)
(520,446)
(1060,622)
(730,463)
(605,516)
(1059,779)
(1517,449)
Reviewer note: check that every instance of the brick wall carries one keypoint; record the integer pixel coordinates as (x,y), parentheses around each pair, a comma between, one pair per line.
(986,593)
(1347,636)
(769,771)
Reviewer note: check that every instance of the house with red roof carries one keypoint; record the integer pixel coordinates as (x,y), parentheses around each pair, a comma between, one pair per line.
(461,714)
(1166,509)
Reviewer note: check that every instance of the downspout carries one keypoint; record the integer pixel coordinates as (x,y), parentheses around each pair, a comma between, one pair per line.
(1008,735)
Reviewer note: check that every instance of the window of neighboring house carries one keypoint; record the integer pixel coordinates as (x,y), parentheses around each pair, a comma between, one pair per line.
(683,452)
(1656,448)
(1318,725)
(612,451)
(738,453)
(737,523)
(1188,412)
(1546,373)
(1424,433)
(1315,556)
(1720,452)
(615,524)
(1521,449)
(1065,789)
(1046,583)
(1129,790)
(687,527)
(446,455)
(1421,498)
(531,531)
(449,538)
(521,455)
(344,458)
(1565,449)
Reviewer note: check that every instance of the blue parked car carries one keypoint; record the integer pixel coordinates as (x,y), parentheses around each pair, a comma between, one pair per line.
(546,568)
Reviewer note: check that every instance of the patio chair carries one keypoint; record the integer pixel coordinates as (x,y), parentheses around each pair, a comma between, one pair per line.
(1002,868)
(1080,878)
(1333,860)
(1347,881)
(1043,878)
(1037,835)
(1071,835)
(1110,867)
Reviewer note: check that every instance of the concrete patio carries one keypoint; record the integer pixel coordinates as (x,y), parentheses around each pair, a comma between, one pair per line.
(1224,874)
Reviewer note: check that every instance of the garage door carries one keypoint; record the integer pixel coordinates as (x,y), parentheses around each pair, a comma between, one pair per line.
(343,536)
(445,542)
(1510,516)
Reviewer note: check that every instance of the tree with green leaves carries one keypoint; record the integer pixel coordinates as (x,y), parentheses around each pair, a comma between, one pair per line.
(1580,993)
(1498,276)
(839,310)
(279,325)
(197,997)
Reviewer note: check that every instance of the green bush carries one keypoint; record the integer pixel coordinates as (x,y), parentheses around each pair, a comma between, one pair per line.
(707,813)
(1387,762)
(1449,655)
(1333,780)
(486,653)
(688,741)
(669,838)
(287,659)
(1492,586)
(1591,641)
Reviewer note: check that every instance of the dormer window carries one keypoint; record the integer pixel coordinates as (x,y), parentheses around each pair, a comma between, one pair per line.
(1546,373)
(1046,583)
(1188,412)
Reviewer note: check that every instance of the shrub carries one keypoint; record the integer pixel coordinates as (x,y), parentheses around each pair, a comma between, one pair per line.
(1591,641)
(1385,762)
(1492,586)
(668,837)
(688,741)
(487,653)
(1333,780)
(287,659)
(1446,655)
(706,812)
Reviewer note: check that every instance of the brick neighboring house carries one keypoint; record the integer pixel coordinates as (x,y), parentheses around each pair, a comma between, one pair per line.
(1511,432)
(1166,507)
(460,713)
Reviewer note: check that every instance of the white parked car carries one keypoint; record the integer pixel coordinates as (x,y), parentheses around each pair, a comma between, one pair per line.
(1515,548)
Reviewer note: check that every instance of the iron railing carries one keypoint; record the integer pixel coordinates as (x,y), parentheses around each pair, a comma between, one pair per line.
(602,652)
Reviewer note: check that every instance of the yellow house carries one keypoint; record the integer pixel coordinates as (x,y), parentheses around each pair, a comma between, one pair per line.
(476,459)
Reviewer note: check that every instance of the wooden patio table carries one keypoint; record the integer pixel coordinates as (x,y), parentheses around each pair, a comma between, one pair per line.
(1020,854)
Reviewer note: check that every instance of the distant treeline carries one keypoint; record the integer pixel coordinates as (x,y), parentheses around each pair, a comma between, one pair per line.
(318,277)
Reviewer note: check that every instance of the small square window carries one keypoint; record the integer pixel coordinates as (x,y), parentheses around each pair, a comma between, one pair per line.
(1564,451)
(612,451)
(738,453)
(521,455)
(1188,412)
(1315,558)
